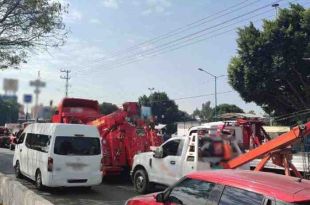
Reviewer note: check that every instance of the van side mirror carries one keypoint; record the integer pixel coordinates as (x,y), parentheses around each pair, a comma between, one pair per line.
(160,197)
(158,153)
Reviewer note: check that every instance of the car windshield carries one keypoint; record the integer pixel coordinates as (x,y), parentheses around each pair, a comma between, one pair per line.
(65,145)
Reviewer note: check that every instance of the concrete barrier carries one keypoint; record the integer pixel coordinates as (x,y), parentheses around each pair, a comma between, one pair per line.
(13,192)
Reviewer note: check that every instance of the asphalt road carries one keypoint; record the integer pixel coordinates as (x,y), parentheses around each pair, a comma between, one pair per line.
(114,191)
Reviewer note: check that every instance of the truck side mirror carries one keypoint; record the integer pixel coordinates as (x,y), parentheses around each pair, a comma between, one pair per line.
(160,197)
(158,153)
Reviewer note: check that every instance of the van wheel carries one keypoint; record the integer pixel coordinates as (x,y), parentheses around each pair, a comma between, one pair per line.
(12,147)
(38,181)
(18,174)
(141,182)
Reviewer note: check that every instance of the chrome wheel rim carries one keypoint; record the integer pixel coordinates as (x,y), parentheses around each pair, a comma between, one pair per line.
(140,182)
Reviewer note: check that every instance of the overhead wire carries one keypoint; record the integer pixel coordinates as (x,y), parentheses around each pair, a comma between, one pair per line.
(135,59)
(165,47)
(194,35)
(179,30)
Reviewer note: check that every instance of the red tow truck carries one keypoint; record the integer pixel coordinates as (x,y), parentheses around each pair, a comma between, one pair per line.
(123,133)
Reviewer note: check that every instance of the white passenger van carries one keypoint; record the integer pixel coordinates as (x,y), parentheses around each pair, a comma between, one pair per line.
(59,155)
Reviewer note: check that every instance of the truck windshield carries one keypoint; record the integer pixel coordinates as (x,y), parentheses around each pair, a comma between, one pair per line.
(77,146)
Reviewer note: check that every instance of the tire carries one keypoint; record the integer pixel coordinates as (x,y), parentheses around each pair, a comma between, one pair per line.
(38,181)
(18,173)
(141,182)
(12,147)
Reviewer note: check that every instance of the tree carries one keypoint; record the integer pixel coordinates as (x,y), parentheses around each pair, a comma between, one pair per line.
(9,111)
(26,24)
(206,112)
(269,68)
(107,108)
(228,108)
(164,109)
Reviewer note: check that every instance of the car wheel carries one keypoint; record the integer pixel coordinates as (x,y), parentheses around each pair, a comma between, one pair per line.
(38,181)
(141,181)
(18,174)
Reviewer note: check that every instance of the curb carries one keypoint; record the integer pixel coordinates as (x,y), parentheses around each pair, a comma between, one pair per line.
(13,192)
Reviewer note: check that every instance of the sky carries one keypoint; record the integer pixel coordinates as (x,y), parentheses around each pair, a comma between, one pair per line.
(118,49)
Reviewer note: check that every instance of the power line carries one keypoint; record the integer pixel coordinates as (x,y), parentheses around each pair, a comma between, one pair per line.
(294,115)
(192,97)
(67,78)
(134,59)
(179,30)
(165,47)
(194,35)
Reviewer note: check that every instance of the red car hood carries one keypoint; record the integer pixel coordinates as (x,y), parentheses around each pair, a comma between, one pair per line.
(143,200)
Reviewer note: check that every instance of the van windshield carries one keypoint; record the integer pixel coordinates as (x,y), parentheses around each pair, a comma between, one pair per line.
(65,145)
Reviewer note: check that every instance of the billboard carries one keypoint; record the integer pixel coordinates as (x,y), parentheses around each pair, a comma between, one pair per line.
(10,85)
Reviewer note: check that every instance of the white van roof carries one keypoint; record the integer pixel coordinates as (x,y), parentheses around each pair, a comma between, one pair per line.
(62,129)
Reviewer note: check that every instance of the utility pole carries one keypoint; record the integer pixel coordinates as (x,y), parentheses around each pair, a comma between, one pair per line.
(37,84)
(215,88)
(67,78)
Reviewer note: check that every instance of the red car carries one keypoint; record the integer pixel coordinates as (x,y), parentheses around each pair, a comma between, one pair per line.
(231,187)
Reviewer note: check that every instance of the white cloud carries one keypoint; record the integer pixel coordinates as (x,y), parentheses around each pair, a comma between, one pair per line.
(113,4)
(95,21)
(156,6)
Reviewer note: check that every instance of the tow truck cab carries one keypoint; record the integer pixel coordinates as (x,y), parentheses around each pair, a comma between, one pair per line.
(177,157)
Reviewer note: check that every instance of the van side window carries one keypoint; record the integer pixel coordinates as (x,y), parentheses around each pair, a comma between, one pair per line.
(38,142)
(21,139)
(30,140)
(235,196)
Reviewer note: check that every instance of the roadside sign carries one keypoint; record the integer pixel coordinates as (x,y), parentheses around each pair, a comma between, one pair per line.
(27,98)
(9,97)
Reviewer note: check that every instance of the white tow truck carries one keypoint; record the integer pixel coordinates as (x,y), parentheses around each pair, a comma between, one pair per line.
(178,156)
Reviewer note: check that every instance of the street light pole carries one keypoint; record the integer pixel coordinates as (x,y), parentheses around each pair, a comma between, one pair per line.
(215,87)
(151,90)
(215,95)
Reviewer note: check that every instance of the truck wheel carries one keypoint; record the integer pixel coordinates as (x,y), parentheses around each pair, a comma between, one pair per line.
(38,181)
(18,174)
(141,181)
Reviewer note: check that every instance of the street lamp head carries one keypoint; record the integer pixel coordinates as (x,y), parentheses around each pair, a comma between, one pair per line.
(275,5)
(200,69)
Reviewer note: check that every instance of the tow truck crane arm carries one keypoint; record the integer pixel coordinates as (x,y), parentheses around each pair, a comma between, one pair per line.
(274,149)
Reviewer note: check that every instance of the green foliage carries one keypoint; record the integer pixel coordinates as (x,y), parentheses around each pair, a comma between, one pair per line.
(228,108)
(26,24)
(207,112)
(9,111)
(165,110)
(107,108)
(269,68)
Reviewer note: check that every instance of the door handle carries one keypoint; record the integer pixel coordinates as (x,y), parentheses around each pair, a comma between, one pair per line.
(172,162)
